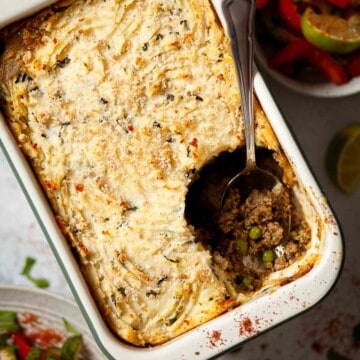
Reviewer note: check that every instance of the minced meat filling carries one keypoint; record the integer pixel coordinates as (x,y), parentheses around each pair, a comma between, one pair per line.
(256,237)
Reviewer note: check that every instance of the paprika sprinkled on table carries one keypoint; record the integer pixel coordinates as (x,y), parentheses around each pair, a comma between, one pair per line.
(246,326)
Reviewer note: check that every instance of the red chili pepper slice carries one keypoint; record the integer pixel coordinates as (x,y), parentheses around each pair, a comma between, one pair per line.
(23,347)
(261,4)
(301,50)
(340,3)
(354,66)
(290,14)
(290,53)
(333,71)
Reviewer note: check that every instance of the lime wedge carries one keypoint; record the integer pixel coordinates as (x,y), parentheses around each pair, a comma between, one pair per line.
(343,158)
(330,33)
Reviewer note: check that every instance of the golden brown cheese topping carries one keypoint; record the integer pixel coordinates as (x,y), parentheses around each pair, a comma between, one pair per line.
(117,104)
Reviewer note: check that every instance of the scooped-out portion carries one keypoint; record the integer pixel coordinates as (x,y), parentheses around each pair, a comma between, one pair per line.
(252,235)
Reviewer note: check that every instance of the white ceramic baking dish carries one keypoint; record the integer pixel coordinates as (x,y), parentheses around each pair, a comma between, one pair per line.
(286,294)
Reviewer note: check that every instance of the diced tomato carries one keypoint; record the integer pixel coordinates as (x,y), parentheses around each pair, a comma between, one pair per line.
(23,347)
(302,50)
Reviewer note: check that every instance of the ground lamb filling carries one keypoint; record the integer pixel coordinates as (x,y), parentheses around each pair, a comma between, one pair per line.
(256,238)
(252,235)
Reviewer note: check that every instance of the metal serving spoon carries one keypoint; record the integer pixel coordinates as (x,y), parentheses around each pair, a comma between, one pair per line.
(239,19)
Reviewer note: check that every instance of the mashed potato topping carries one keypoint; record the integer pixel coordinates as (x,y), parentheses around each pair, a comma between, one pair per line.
(117,104)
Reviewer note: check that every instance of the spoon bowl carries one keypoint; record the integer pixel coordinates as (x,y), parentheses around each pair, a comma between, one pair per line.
(256,178)
(249,179)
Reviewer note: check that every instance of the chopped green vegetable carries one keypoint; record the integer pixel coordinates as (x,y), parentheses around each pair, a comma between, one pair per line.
(172,260)
(3,339)
(52,353)
(171,320)
(8,328)
(70,328)
(39,282)
(242,246)
(34,354)
(268,256)
(8,322)
(255,232)
(62,63)
(72,348)
(122,291)
(7,316)
(29,263)
(247,281)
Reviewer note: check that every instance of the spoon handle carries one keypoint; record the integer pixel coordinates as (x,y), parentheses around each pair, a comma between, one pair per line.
(240,18)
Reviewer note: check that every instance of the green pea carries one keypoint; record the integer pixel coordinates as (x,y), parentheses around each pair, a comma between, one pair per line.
(268,256)
(293,234)
(247,281)
(254,232)
(242,246)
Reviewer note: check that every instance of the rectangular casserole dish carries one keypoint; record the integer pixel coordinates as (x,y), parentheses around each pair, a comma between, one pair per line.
(286,294)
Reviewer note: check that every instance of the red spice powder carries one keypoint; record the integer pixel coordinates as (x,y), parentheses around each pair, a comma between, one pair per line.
(174,44)
(214,338)
(227,303)
(124,203)
(246,326)
(194,142)
(83,249)
(50,185)
(79,187)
